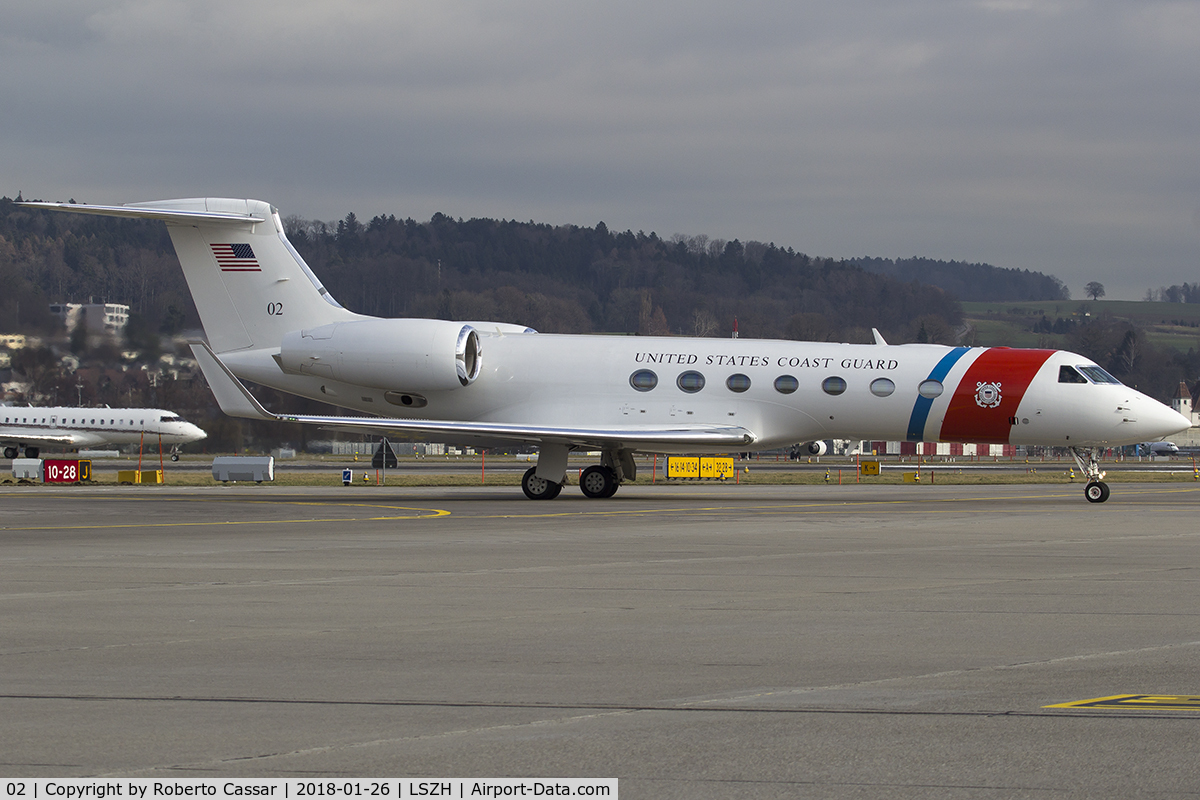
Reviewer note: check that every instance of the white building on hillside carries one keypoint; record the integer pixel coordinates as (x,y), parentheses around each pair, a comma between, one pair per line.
(99,317)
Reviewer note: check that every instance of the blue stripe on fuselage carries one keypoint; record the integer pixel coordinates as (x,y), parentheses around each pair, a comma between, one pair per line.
(920,412)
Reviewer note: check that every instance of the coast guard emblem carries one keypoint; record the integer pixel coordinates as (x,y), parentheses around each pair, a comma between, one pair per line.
(987,395)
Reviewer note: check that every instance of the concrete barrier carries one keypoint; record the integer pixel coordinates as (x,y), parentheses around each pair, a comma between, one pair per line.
(243,468)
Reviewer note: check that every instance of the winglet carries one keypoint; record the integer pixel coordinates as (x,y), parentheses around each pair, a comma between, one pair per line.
(878,336)
(233,398)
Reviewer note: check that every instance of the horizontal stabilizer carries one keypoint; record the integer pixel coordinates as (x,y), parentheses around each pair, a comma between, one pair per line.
(186,216)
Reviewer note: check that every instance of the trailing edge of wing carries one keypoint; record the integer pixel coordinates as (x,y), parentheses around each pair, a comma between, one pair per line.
(148,211)
(236,401)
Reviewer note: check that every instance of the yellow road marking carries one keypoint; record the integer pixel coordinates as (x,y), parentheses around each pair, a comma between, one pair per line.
(1124,702)
(419,513)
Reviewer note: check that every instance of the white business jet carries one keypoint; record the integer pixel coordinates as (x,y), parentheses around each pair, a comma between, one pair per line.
(28,428)
(269,320)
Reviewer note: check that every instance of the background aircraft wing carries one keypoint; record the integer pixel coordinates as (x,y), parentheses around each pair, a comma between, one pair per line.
(236,401)
(42,436)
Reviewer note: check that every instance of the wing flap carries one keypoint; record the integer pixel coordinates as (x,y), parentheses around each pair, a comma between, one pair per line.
(236,401)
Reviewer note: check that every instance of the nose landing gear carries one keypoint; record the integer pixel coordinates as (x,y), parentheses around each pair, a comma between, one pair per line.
(1096,490)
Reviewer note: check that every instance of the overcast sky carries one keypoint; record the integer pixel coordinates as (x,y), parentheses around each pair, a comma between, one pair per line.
(1062,137)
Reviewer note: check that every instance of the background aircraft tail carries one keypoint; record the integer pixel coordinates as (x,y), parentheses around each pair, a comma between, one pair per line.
(249,284)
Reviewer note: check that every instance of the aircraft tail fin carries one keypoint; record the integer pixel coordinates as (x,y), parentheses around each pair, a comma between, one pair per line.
(248,282)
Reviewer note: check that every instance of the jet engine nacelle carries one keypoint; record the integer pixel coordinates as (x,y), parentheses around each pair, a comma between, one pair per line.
(402,355)
(817,448)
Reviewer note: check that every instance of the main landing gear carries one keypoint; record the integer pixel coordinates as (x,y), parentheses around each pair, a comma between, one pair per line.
(1096,490)
(12,452)
(536,488)
(597,481)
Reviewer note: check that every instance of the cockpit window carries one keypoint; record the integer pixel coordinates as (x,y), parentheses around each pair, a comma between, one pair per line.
(1070,375)
(1098,375)
(169,419)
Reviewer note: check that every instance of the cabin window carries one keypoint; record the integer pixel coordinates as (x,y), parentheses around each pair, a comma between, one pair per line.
(1098,375)
(930,389)
(834,385)
(738,382)
(1070,375)
(690,381)
(882,387)
(643,380)
(786,384)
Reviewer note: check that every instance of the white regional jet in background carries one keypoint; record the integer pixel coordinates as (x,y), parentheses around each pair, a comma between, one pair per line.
(269,320)
(28,428)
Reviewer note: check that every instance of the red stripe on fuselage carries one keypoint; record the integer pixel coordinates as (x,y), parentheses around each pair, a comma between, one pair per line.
(971,417)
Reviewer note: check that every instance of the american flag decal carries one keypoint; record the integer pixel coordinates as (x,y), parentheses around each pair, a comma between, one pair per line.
(235,258)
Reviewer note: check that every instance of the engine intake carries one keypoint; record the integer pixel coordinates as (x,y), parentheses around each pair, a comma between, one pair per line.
(397,355)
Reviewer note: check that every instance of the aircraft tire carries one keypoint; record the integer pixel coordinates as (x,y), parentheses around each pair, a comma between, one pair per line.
(598,482)
(10,452)
(174,456)
(31,452)
(1096,492)
(536,488)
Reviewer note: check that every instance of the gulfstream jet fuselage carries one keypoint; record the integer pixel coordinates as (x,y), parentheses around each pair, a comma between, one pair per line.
(269,320)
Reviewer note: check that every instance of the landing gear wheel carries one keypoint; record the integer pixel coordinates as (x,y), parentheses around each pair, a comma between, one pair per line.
(1096,492)
(10,452)
(598,482)
(536,488)
(174,456)
(31,452)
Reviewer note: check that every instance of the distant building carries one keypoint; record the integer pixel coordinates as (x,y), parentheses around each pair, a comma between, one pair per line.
(13,341)
(100,317)
(1182,402)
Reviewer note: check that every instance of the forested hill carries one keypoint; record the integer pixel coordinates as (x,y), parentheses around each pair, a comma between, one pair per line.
(569,278)
(981,282)
(553,278)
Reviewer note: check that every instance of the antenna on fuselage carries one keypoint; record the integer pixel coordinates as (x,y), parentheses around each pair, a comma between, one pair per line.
(878,336)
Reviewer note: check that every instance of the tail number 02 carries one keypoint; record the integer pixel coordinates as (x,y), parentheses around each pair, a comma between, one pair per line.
(275,309)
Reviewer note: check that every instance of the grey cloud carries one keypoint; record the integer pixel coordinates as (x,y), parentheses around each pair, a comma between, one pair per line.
(1054,136)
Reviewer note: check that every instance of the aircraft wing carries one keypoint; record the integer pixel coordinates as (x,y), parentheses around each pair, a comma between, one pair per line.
(236,401)
(42,437)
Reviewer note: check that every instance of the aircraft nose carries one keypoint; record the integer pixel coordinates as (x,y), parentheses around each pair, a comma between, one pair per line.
(198,432)
(1159,421)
